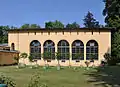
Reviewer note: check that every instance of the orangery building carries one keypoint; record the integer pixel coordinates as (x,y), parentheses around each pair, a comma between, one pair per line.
(83,41)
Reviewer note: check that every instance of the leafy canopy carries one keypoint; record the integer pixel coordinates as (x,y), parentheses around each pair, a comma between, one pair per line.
(90,21)
(4,34)
(55,24)
(112,13)
(112,19)
(24,26)
(73,25)
(24,55)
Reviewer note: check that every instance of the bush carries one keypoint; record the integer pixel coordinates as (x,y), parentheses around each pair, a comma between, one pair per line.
(35,81)
(110,60)
(21,65)
(7,80)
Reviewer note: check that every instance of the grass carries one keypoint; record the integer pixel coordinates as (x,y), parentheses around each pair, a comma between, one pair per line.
(66,77)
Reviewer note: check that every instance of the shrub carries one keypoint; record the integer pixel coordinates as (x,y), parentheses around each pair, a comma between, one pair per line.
(35,82)
(87,63)
(7,80)
(30,58)
(17,59)
(24,55)
(110,60)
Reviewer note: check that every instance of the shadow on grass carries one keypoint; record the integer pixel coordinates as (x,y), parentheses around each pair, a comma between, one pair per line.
(104,76)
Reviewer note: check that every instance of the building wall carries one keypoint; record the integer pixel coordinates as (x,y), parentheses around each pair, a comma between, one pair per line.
(22,40)
(7,58)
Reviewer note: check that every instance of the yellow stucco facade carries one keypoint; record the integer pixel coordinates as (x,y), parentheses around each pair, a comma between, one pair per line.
(23,38)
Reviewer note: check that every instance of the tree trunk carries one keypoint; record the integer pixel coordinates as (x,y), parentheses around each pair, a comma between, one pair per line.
(58,66)
(69,63)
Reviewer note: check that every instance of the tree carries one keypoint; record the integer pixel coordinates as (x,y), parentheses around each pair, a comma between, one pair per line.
(25,26)
(4,34)
(24,56)
(112,19)
(73,25)
(116,45)
(30,58)
(90,21)
(78,56)
(36,81)
(55,24)
(34,26)
(58,57)
(46,56)
(7,81)
(68,55)
(13,27)
(112,13)
(17,59)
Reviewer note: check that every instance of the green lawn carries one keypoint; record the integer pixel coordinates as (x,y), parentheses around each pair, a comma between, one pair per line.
(67,77)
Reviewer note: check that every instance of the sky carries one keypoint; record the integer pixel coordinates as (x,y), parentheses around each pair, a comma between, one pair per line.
(19,12)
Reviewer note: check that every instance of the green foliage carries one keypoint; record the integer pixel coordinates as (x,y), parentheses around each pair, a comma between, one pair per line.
(116,46)
(57,55)
(13,27)
(30,58)
(90,21)
(107,56)
(110,60)
(92,56)
(114,22)
(24,55)
(68,55)
(78,55)
(25,26)
(4,34)
(87,63)
(46,55)
(112,12)
(112,19)
(36,82)
(7,80)
(56,24)
(17,59)
(34,26)
(73,25)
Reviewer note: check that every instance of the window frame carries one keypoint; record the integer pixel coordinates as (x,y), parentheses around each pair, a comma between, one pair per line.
(49,48)
(92,50)
(64,49)
(77,49)
(35,49)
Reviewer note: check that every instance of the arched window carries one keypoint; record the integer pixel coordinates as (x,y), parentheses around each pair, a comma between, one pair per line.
(92,50)
(63,49)
(12,46)
(35,49)
(49,48)
(77,50)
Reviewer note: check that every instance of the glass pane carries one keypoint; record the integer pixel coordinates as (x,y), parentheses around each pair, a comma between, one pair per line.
(73,50)
(88,50)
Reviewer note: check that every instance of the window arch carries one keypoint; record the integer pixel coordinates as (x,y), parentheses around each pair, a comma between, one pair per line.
(49,46)
(12,46)
(63,49)
(35,49)
(77,50)
(92,50)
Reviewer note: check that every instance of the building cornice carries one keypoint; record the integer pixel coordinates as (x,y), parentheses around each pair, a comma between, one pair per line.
(60,30)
